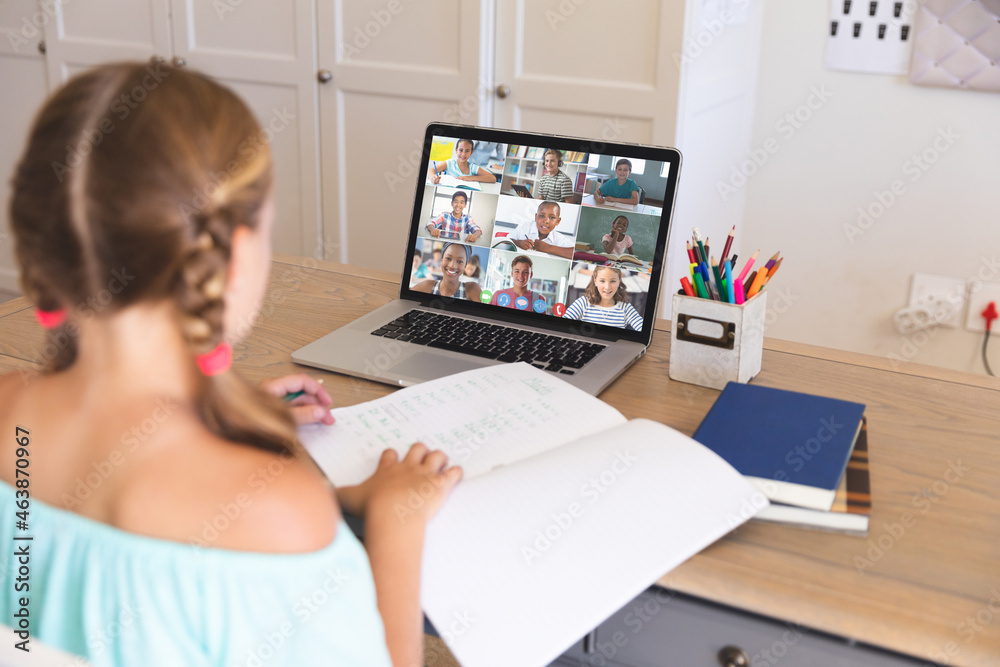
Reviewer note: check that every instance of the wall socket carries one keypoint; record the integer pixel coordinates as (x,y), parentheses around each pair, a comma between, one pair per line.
(927,288)
(980,295)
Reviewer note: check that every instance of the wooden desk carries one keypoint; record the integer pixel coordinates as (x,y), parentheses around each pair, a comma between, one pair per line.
(588,200)
(931,559)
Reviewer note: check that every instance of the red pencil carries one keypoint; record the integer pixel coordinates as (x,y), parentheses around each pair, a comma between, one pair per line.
(691,254)
(729,244)
(686,284)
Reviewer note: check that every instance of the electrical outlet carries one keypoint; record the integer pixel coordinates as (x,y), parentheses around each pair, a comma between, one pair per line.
(980,295)
(929,290)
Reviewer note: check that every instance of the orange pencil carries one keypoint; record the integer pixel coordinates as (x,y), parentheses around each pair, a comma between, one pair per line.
(758,282)
(774,269)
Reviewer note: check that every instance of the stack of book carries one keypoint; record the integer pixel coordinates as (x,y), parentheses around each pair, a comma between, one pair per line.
(808,454)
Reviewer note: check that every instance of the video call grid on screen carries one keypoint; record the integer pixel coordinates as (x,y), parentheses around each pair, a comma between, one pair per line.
(530,237)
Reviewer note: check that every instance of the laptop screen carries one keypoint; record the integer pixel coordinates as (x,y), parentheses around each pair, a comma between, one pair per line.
(558,232)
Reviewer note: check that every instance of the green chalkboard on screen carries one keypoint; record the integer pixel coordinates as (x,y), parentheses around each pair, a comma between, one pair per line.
(596,222)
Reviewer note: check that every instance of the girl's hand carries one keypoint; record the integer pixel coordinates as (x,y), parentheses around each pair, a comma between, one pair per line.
(435,232)
(313,406)
(435,179)
(417,486)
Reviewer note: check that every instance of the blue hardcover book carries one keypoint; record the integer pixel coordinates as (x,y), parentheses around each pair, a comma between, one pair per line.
(794,447)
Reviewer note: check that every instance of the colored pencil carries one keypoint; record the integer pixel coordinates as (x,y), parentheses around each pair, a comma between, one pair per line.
(771,261)
(773,270)
(728,269)
(758,282)
(700,284)
(728,245)
(718,278)
(686,284)
(746,268)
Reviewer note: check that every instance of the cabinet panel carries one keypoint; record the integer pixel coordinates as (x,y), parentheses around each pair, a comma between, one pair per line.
(401,34)
(426,63)
(277,110)
(21,24)
(265,52)
(582,124)
(260,29)
(80,35)
(591,41)
(382,174)
(567,60)
(132,24)
(16,114)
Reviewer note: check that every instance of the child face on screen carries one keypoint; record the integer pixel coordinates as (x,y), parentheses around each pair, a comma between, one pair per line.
(457,206)
(607,282)
(453,262)
(463,151)
(551,163)
(547,219)
(520,273)
(622,171)
(619,225)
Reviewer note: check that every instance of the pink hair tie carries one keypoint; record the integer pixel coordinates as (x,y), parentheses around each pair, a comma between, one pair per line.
(217,361)
(50,319)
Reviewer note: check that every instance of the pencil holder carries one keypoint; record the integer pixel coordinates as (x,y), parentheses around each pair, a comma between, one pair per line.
(712,342)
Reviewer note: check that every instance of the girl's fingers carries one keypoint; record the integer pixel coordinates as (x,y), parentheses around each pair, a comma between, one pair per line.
(388,457)
(417,452)
(289,384)
(311,414)
(436,460)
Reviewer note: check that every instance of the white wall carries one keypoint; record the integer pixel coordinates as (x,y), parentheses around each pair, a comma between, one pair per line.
(840,284)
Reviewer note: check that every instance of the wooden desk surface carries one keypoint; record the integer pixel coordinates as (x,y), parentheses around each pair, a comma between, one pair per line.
(926,580)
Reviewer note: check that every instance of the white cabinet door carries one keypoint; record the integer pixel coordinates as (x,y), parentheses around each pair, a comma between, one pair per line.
(24,84)
(83,34)
(396,66)
(590,69)
(266,53)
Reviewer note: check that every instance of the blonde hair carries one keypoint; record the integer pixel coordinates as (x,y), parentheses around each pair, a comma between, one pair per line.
(156,187)
(594,297)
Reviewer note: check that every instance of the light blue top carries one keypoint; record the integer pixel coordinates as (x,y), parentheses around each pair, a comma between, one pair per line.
(452,168)
(118,598)
(612,189)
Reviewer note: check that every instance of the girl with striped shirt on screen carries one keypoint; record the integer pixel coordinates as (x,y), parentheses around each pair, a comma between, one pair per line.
(606,302)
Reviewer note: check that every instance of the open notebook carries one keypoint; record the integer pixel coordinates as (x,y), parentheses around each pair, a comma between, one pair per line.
(567,510)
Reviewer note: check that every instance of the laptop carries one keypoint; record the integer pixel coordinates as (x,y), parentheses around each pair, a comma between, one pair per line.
(567,283)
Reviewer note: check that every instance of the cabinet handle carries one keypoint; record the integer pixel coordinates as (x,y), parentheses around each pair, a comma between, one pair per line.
(503,90)
(324,76)
(733,656)
(179,62)
(41,47)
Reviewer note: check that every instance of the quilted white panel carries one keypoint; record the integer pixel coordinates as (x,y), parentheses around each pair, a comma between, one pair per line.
(957,44)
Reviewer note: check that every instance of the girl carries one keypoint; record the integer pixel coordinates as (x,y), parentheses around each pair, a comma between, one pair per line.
(211,525)
(472,270)
(618,242)
(460,167)
(606,302)
(454,259)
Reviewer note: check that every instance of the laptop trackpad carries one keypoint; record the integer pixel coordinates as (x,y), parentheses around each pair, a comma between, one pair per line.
(430,366)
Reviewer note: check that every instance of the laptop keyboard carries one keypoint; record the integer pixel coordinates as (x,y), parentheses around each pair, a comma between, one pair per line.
(491,341)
